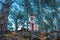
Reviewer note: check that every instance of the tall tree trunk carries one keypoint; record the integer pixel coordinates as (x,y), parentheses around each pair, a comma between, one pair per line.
(4,12)
(40,18)
(28,10)
(16,25)
(55,13)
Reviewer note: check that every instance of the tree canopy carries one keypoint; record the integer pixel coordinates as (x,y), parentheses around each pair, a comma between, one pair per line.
(46,13)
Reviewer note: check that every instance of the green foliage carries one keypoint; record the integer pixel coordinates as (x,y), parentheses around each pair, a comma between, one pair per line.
(42,10)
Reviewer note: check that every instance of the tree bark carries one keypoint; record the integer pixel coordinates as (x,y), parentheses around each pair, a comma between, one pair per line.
(4,13)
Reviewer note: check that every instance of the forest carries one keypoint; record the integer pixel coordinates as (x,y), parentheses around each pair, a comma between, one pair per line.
(15,14)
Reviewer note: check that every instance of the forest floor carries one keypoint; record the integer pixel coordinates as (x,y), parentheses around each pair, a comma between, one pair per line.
(23,34)
(18,36)
(13,36)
